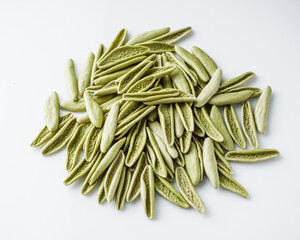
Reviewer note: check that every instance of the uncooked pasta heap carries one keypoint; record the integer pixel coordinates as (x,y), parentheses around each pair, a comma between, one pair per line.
(152,113)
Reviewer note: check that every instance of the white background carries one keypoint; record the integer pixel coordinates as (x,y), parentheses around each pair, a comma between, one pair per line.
(36,39)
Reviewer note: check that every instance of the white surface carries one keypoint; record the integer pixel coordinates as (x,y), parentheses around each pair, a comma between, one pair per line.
(36,39)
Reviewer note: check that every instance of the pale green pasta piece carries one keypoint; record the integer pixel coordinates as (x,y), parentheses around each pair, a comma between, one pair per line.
(218,122)
(255,91)
(131,77)
(200,156)
(109,127)
(45,135)
(156,128)
(252,155)
(173,36)
(192,164)
(227,182)
(79,171)
(113,176)
(173,59)
(70,80)
(178,125)
(230,97)
(158,47)
(51,112)
(61,138)
(101,194)
(137,143)
(121,54)
(163,150)
(117,42)
(248,124)
(178,79)
(185,141)
(146,36)
(135,183)
(235,82)
(142,85)
(158,163)
(166,117)
(210,89)
(234,127)
(261,110)
(148,191)
(92,143)
(99,54)
(75,145)
(85,73)
(72,106)
(194,62)
(210,163)
(123,189)
(94,110)
(86,187)
(165,189)
(107,160)
(187,190)
(185,113)
(208,63)
(210,129)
